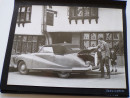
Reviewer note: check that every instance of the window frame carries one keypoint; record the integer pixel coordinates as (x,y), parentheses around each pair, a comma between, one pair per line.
(25,12)
(104,37)
(74,10)
(31,45)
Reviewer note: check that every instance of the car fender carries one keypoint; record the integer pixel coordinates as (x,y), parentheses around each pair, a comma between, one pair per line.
(27,58)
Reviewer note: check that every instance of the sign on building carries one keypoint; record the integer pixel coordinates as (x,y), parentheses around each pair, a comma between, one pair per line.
(50,18)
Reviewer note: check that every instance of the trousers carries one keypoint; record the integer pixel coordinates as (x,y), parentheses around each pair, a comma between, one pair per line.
(105,61)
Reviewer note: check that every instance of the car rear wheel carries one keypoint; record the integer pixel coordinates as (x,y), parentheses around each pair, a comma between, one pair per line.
(63,74)
(22,68)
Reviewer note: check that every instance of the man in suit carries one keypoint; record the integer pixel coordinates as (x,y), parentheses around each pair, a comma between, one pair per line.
(105,54)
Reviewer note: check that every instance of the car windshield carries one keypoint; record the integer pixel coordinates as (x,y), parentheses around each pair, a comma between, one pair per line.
(46,50)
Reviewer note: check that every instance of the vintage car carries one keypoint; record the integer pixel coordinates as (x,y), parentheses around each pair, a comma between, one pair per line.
(62,58)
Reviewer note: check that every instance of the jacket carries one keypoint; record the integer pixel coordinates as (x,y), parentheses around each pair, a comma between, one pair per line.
(105,51)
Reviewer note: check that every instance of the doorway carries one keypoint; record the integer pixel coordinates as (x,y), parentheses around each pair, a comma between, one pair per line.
(61,37)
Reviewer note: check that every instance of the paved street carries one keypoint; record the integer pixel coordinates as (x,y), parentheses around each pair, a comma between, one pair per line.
(92,80)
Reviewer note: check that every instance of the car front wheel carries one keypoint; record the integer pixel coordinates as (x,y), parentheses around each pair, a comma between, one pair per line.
(22,68)
(63,74)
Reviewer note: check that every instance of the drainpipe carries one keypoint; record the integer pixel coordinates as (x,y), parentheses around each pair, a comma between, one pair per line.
(48,39)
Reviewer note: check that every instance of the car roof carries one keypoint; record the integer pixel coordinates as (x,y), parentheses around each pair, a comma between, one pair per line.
(60,48)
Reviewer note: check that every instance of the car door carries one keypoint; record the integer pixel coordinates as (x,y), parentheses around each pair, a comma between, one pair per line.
(44,59)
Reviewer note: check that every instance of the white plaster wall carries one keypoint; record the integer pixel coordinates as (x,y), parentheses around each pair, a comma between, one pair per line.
(35,26)
(109,20)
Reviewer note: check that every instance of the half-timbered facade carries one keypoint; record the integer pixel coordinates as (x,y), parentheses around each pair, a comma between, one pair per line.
(77,25)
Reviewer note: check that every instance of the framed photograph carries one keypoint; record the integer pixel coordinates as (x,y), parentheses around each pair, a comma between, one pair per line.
(100,35)
(116,36)
(93,36)
(86,36)
(93,43)
(67,47)
(86,44)
(108,36)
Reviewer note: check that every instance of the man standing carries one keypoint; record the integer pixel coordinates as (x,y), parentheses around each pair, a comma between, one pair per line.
(105,54)
(99,58)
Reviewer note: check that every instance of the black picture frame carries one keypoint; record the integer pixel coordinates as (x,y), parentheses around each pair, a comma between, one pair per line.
(63,90)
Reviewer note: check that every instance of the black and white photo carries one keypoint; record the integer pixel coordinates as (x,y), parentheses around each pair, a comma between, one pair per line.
(56,42)
(67,49)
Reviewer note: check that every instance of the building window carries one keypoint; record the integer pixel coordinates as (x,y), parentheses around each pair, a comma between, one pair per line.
(90,39)
(27,43)
(83,13)
(24,15)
